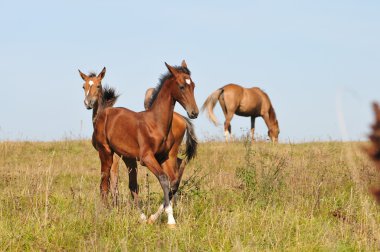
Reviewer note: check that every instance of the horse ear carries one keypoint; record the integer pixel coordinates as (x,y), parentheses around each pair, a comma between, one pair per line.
(102,73)
(84,77)
(183,64)
(171,69)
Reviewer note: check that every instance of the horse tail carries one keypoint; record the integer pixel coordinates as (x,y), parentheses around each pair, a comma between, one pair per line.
(191,140)
(109,97)
(210,103)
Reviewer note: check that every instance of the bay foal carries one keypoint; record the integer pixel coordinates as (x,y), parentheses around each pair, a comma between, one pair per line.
(99,98)
(180,126)
(145,136)
(252,102)
(175,166)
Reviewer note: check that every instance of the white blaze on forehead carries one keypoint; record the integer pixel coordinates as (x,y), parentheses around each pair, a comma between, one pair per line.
(188,81)
(90,83)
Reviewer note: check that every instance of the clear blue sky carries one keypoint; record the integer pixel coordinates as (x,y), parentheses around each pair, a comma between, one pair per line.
(313,58)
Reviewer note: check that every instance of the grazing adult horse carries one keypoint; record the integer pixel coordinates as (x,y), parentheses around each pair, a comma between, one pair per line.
(252,102)
(145,136)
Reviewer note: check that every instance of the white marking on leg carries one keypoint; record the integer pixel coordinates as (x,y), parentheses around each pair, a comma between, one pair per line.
(252,134)
(154,216)
(226,134)
(143,217)
(169,212)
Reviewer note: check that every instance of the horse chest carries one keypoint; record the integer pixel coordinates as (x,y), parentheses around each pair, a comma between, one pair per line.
(162,144)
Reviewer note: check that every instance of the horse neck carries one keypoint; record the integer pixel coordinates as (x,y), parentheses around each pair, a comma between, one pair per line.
(163,108)
(94,113)
(273,117)
(98,107)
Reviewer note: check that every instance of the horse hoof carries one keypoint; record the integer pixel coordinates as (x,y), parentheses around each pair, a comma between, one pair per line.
(171,226)
(150,221)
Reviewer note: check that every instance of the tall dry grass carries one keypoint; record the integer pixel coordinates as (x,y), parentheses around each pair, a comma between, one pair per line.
(236,197)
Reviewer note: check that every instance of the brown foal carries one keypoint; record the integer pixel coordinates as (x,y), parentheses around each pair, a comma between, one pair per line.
(175,166)
(180,126)
(98,98)
(145,136)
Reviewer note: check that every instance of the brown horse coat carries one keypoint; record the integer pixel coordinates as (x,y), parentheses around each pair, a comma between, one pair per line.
(252,102)
(146,135)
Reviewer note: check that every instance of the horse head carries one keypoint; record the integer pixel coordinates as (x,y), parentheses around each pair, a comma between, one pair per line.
(183,90)
(92,87)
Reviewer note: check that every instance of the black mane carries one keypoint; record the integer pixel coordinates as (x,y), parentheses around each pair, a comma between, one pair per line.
(92,74)
(109,97)
(162,80)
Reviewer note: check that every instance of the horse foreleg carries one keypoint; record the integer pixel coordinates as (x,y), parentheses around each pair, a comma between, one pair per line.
(253,129)
(157,214)
(150,161)
(175,179)
(114,178)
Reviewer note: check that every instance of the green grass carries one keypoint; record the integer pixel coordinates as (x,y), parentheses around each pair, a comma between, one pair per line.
(237,197)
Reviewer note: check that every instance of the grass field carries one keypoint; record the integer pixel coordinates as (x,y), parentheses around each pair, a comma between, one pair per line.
(237,197)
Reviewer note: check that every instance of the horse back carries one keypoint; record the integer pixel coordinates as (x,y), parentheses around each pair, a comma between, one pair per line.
(258,99)
(240,100)
(245,101)
(116,129)
(129,132)
(231,97)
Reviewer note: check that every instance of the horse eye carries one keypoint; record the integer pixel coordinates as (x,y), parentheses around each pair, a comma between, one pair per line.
(98,86)
(83,87)
(182,87)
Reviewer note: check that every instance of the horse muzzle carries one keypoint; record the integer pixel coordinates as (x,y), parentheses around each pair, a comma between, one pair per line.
(88,105)
(193,114)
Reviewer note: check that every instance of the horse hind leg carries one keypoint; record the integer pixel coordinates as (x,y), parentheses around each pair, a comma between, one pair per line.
(181,164)
(175,180)
(227,127)
(133,184)
(114,178)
